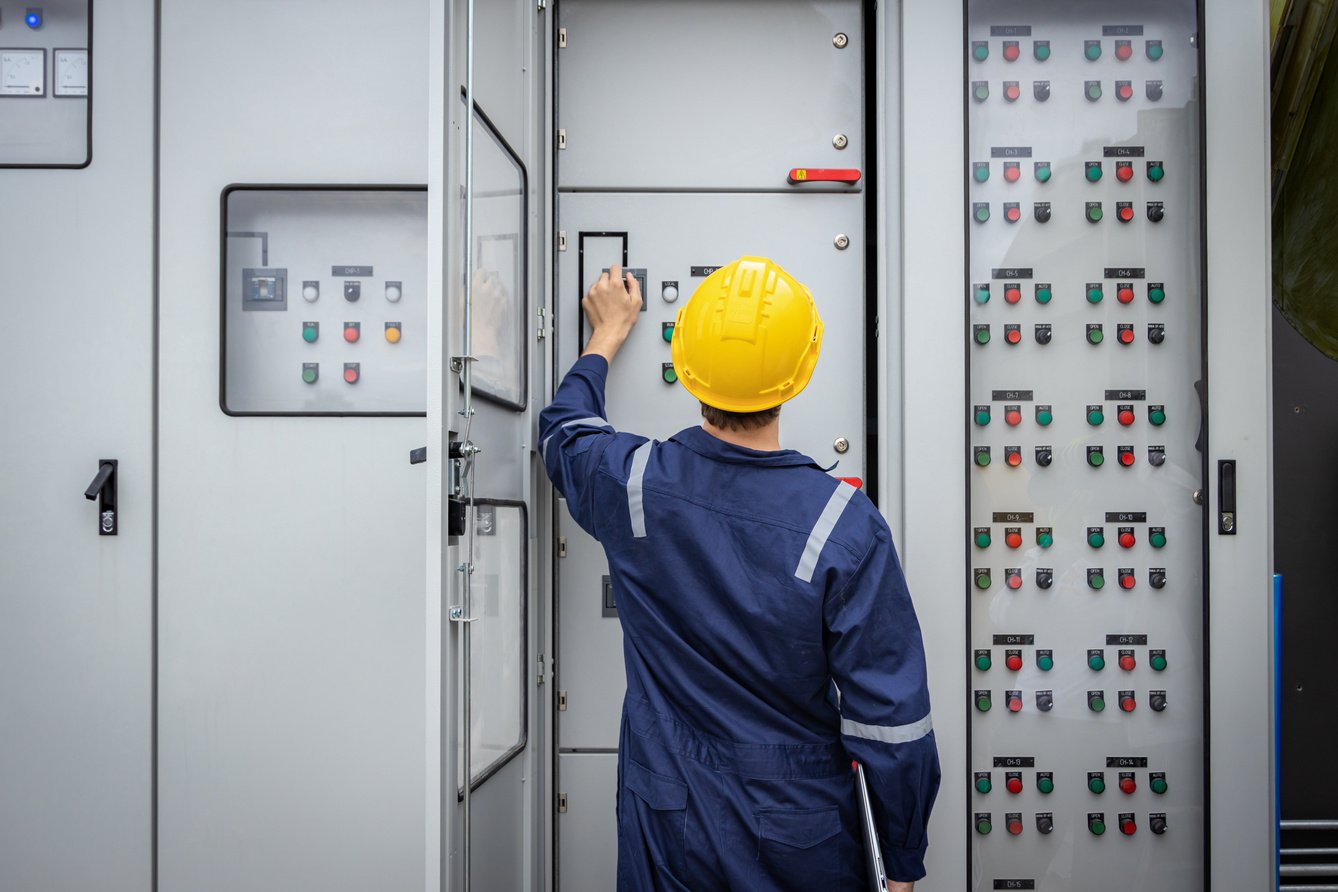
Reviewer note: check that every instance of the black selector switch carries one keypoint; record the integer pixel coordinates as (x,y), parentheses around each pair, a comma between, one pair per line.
(1044,456)
(1157,700)
(1157,578)
(1045,578)
(1045,825)
(1156,333)
(1041,90)
(1156,211)
(1042,212)
(1045,701)
(1155,91)
(1043,334)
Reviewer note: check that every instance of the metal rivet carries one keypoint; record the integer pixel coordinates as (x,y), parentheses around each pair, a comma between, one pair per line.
(841,445)
(840,141)
(840,40)
(1198,497)
(842,242)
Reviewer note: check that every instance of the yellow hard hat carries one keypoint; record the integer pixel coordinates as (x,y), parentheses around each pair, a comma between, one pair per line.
(749,338)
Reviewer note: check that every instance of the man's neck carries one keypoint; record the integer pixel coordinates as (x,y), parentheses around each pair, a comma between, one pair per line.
(763,439)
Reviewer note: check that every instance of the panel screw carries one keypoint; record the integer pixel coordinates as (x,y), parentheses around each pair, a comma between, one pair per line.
(840,40)
(1198,497)
(841,445)
(842,242)
(840,141)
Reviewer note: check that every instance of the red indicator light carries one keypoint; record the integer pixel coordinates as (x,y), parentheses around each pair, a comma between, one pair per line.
(1125,295)
(1127,703)
(1125,92)
(1015,827)
(1127,459)
(1012,294)
(1014,336)
(1127,540)
(1127,663)
(1014,785)
(1127,581)
(1013,213)
(1124,51)
(1014,540)
(1124,172)
(1013,417)
(1011,52)
(1126,336)
(1014,662)
(351,375)
(1012,92)
(1014,459)
(1128,785)
(1012,172)
(351,333)
(800,175)
(1126,213)
(1015,583)
(1126,417)
(1014,703)
(1128,827)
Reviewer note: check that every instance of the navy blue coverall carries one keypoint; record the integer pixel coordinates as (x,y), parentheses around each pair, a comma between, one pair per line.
(769,639)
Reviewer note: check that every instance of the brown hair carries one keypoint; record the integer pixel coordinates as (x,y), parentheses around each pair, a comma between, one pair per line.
(739,421)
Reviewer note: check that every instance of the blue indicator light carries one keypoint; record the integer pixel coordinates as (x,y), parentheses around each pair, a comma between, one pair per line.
(33,18)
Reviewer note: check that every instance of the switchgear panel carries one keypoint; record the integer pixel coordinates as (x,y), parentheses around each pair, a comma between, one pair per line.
(45,83)
(1085,581)
(324,301)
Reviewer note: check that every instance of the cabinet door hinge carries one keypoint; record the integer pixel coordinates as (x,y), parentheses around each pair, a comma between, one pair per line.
(543,323)
(543,671)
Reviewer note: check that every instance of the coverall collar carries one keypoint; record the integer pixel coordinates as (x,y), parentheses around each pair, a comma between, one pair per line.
(702,443)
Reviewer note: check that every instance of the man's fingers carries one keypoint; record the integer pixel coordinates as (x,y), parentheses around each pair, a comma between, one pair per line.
(615,273)
(633,286)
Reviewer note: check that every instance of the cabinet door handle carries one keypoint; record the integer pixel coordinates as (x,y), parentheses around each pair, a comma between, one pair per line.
(103,488)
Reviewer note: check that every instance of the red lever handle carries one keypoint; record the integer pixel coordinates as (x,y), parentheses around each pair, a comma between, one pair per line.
(799,175)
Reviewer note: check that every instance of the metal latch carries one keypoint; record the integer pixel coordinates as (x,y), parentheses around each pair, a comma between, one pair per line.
(562,803)
(562,38)
(562,701)
(562,546)
(562,139)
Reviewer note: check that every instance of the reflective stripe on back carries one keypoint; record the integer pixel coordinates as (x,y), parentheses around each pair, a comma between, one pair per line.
(823,529)
(888,733)
(635,508)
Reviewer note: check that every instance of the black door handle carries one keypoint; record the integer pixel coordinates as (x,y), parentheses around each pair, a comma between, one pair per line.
(103,488)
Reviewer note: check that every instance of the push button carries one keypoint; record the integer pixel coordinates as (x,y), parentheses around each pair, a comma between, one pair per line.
(1096,537)
(1096,660)
(352,372)
(1015,824)
(1012,212)
(1011,50)
(1096,782)
(667,332)
(1012,91)
(1157,537)
(982,293)
(1012,335)
(311,371)
(980,50)
(1154,50)
(1127,538)
(982,538)
(1124,91)
(1157,660)
(1095,415)
(1012,171)
(980,91)
(1092,170)
(1040,50)
(980,171)
(1091,49)
(1014,702)
(1096,579)
(1042,171)
(1095,292)
(1127,661)
(1125,293)
(1013,456)
(1127,825)
(1156,292)
(982,416)
(983,701)
(983,825)
(983,663)
(1127,701)
(1157,783)
(1013,782)
(1124,211)
(393,332)
(352,331)
(1096,702)
(1013,578)
(1044,415)
(1045,661)
(311,332)
(1096,824)
(983,783)
(1128,786)
(1094,212)
(1044,293)
(1124,334)
(1126,415)
(980,212)
(1045,782)
(1124,50)
(667,373)
(1125,455)
(1045,537)
(1127,578)
(1014,661)
(1013,538)
(1092,90)
(1012,293)
(1012,416)
(1156,171)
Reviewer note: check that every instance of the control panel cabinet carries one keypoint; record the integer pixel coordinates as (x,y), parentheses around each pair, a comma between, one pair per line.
(1085,582)
(46,83)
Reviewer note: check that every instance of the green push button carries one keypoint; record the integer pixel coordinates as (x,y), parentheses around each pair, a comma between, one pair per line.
(1097,826)
(310,333)
(1045,662)
(1094,172)
(1094,213)
(1096,785)
(1095,336)
(1041,51)
(983,826)
(983,703)
(981,172)
(1096,662)
(1096,581)
(1043,295)
(1043,172)
(1096,459)
(983,785)
(1045,540)
(1096,539)
(1093,91)
(1155,50)
(1095,294)
(1092,50)
(1159,785)
(980,51)
(983,663)
(1158,663)
(982,213)
(982,335)
(982,417)
(1097,704)
(1156,172)
(668,373)
(982,459)
(1045,785)
(1156,294)
(983,539)
(982,294)
(1158,540)
(310,374)
(1157,416)
(667,332)
(1095,417)
(1044,417)
(981,92)
(982,581)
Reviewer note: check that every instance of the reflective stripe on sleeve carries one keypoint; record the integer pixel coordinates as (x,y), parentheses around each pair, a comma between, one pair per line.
(822,529)
(888,733)
(634,482)
(593,421)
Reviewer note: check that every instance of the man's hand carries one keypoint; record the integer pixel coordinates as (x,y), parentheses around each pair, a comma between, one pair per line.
(894,886)
(613,306)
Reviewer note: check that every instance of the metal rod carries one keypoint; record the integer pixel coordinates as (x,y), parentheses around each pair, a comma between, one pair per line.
(1303,853)
(1310,825)
(1309,870)
(1309,888)
(466,602)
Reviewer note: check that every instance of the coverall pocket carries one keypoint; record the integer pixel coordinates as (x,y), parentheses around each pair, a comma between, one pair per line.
(656,813)
(800,848)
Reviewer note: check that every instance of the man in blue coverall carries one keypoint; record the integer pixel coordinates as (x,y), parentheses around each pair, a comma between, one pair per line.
(769,638)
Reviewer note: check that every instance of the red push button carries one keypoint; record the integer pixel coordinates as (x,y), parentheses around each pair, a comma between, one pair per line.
(1014,662)
(1127,826)
(800,175)
(352,372)
(1012,91)
(1012,171)
(1127,703)
(1011,51)
(1126,417)
(1013,539)
(1128,785)
(1127,579)
(1014,581)
(1127,458)
(1124,91)
(352,331)
(1124,50)
(1013,417)
(1124,171)
(1014,785)
(1014,459)
(1014,701)
(1013,335)
(1126,213)
(1126,335)
(1015,826)
(1127,663)
(1125,294)
(1013,213)
(1012,293)
(1127,540)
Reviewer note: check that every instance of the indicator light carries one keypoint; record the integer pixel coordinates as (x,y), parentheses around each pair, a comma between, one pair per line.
(1095,537)
(667,331)
(1124,334)
(1127,825)
(1042,171)
(1045,701)
(1096,661)
(982,294)
(1012,293)
(1096,702)
(983,825)
(1096,782)
(1127,662)
(1045,825)
(1124,171)
(1124,50)
(1157,700)
(1124,212)
(1013,416)
(352,331)
(1014,783)
(1093,171)
(980,91)
(1095,416)
(982,415)
(393,332)
(1127,702)
(1044,416)
(1156,171)
(1045,783)
(1043,294)
(1158,538)
(668,373)
(983,580)
(1045,662)
(1014,701)
(1011,50)
(1012,92)
(983,701)
(311,331)
(1096,825)
(1124,91)
(1045,538)
(1157,415)
(1095,292)
(311,291)
(1127,539)
(1158,784)
(1125,294)
(1012,212)
(1126,416)
(394,291)
(1156,293)
(1013,539)
(1127,579)
(1015,825)
(1156,211)
(1040,50)
(1012,171)
(980,50)
(352,372)
(1014,662)
(980,171)
(1154,50)
(1043,334)
(1096,579)
(1128,786)
(983,661)
(983,784)
(1013,456)
(983,539)
(1094,212)
(669,292)
(1092,90)
(982,456)
(1013,578)
(981,212)
(33,19)
(310,372)
(1157,823)
(1091,49)
(1044,578)
(1013,335)
(1126,456)
(1158,664)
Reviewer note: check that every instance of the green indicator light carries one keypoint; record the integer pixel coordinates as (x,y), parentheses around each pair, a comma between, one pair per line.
(669,375)
(982,459)
(981,52)
(1041,51)
(1043,295)
(1044,417)
(983,294)
(1156,172)
(309,376)
(983,581)
(1093,172)
(1045,540)
(1095,539)
(982,92)
(1097,704)
(1158,540)
(1157,416)
(1095,294)
(1096,785)
(1096,662)
(1095,214)
(983,703)
(1155,51)
(1095,336)
(1046,663)
(983,785)
(1093,91)
(983,827)
(1043,172)
(1159,785)
(1045,785)
(1097,827)
(310,333)
(1158,664)
(1095,417)
(982,213)
(982,335)
(982,417)
(667,332)
(983,663)
(981,172)
(983,541)
(1156,295)
(1096,581)
(1092,51)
